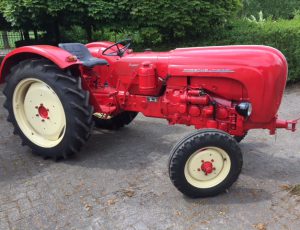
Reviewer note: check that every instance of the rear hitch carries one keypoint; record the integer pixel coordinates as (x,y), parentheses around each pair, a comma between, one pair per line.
(287,124)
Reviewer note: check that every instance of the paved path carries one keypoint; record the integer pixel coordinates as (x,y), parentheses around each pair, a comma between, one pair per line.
(120,181)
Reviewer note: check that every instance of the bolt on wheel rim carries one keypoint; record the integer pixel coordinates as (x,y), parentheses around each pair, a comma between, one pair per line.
(207,167)
(39,112)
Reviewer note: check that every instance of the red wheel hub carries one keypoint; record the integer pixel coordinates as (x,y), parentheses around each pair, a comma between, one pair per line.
(43,112)
(207,167)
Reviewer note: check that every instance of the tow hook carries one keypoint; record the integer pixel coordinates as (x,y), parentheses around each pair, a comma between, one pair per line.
(287,124)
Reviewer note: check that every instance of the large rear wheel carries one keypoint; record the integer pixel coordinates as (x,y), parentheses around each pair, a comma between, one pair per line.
(48,108)
(205,163)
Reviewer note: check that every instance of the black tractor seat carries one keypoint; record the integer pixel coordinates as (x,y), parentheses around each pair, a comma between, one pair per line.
(83,54)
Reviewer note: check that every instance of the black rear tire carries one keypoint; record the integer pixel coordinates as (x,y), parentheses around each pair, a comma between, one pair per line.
(74,100)
(116,122)
(203,140)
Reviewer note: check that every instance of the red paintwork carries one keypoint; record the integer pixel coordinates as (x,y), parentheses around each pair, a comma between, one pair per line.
(207,167)
(54,54)
(43,112)
(192,86)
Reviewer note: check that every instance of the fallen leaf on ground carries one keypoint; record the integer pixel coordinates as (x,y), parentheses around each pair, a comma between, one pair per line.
(295,190)
(204,222)
(112,201)
(292,189)
(260,226)
(88,207)
(129,193)
(177,213)
(285,187)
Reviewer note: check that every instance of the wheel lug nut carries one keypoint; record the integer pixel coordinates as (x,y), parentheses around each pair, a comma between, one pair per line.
(36,115)
(199,169)
(202,161)
(214,168)
(212,160)
(43,120)
(36,107)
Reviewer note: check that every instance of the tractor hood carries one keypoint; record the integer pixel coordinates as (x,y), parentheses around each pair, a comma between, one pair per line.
(223,59)
(261,72)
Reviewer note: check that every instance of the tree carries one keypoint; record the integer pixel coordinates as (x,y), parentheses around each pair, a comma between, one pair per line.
(4,26)
(26,15)
(170,20)
(49,15)
(165,20)
(177,19)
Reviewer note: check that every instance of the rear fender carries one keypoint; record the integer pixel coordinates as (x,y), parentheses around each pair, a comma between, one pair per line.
(55,54)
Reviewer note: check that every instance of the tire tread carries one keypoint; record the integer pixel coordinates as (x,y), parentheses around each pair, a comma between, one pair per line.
(79,110)
(188,145)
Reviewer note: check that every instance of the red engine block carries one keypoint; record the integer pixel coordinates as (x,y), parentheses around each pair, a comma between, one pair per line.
(198,108)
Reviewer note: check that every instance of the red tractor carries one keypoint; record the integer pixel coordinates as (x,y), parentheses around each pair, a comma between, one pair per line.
(54,96)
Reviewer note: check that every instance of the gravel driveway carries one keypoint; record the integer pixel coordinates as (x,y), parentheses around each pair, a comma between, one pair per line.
(120,181)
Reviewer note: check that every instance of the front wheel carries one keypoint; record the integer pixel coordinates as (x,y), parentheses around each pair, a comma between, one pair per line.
(205,163)
(240,138)
(48,108)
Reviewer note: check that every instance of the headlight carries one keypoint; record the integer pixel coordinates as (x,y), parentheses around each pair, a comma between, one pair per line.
(244,109)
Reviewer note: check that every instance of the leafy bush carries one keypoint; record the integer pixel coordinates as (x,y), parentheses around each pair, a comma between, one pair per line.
(169,20)
(74,34)
(283,35)
(107,34)
(271,8)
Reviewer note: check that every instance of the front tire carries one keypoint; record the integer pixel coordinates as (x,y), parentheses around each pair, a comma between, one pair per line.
(240,138)
(205,163)
(48,108)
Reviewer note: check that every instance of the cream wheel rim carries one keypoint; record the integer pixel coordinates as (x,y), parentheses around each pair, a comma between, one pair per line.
(39,112)
(207,167)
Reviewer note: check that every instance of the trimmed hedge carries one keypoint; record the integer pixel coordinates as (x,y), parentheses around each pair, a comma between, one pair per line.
(283,35)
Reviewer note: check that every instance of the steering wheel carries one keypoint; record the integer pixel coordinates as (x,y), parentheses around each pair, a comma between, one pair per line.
(120,51)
